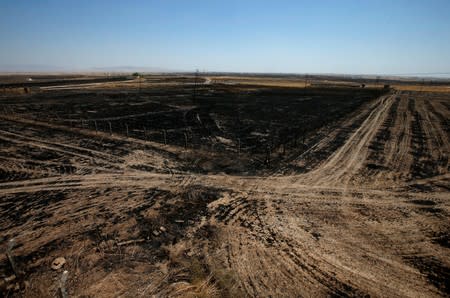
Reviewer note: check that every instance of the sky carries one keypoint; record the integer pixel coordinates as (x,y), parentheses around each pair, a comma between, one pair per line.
(279,36)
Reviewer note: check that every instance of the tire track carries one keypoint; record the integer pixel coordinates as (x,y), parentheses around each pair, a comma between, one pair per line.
(341,167)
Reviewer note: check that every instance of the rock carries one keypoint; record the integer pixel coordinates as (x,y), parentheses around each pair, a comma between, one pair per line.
(58,263)
(163,229)
(156,233)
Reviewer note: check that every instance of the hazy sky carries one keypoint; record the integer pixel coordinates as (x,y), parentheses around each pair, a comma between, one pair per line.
(361,36)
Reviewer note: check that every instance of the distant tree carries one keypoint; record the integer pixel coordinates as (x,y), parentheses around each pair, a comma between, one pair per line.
(136,74)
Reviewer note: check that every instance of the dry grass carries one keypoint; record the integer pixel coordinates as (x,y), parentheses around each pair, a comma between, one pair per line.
(204,279)
(199,289)
(422,88)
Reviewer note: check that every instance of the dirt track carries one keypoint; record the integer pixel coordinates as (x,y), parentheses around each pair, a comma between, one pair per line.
(371,219)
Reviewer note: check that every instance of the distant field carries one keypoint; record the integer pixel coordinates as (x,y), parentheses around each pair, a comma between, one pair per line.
(422,88)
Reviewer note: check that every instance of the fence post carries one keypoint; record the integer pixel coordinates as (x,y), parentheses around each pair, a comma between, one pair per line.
(239,146)
(165,136)
(110,128)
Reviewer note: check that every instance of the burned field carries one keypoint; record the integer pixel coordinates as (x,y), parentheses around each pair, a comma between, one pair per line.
(188,187)
(263,126)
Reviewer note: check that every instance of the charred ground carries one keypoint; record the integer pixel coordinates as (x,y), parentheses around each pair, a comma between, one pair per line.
(191,186)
